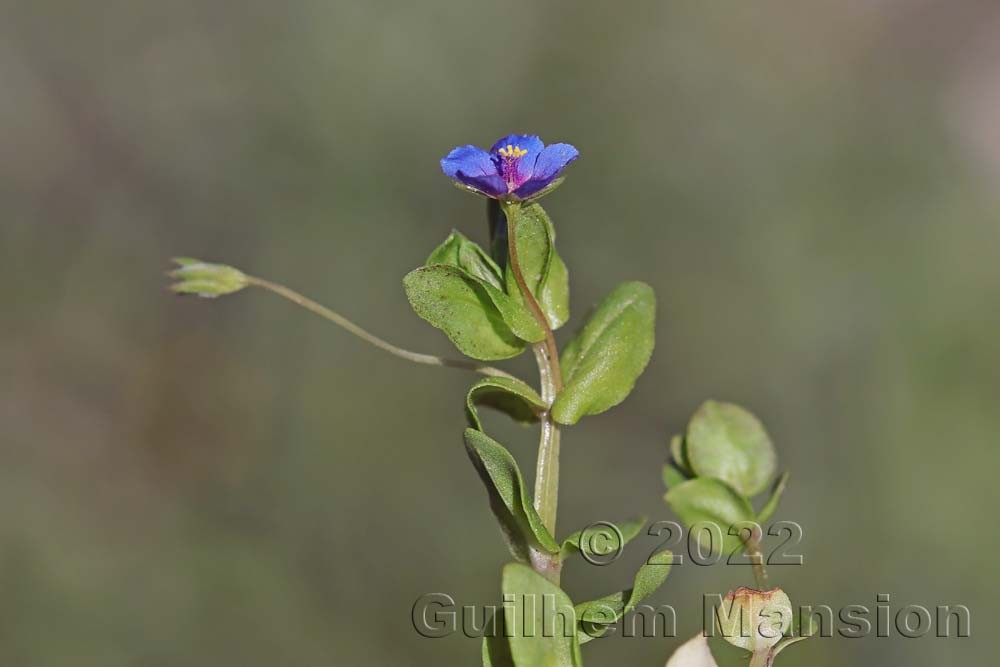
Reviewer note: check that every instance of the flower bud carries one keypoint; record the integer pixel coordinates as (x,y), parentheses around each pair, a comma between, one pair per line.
(754,620)
(206,280)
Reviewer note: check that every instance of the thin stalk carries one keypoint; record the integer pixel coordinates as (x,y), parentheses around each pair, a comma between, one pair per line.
(757,562)
(550,376)
(341,321)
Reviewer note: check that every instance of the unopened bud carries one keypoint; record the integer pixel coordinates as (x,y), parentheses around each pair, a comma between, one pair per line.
(206,280)
(754,620)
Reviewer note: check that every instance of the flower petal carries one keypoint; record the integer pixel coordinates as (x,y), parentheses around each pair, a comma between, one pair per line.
(476,168)
(550,163)
(553,160)
(471,160)
(527,142)
(491,186)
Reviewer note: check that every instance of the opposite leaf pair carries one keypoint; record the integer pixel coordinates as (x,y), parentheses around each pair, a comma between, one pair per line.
(725,457)
(540,625)
(463,292)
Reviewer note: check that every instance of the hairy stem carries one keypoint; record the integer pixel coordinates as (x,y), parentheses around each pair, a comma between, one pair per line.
(341,321)
(550,375)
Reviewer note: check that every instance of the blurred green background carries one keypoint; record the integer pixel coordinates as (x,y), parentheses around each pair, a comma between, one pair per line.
(810,187)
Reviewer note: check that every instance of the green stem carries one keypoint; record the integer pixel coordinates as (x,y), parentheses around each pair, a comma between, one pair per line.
(341,321)
(757,562)
(547,469)
(513,212)
(550,376)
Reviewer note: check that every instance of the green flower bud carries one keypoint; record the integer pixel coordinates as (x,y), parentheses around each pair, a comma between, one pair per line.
(206,280)
(727,442)
(754,620)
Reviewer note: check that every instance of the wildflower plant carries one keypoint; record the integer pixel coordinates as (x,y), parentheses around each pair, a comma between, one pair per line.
(499,302)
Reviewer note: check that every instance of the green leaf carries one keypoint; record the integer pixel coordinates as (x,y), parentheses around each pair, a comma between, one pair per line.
(626,529)
(672,476)
(542,618)
(594,616)
(601,364)
(728,442)
(678,450)
(543,270)
(509,497)
(771,506)
(459,305)
(710,500)
(510,396)
(553,298)
(460,252)
(496,649)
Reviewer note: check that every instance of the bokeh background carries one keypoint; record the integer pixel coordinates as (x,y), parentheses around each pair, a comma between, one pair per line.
(811,188)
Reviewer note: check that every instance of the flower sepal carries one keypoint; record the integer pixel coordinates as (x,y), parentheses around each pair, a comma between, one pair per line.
(464,187)
(205,279)
(544,191)
(754,620)
(511,199)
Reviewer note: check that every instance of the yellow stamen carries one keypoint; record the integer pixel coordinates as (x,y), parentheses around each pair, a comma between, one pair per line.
(512,152)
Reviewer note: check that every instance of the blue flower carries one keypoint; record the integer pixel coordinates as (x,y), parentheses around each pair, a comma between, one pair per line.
(517,166)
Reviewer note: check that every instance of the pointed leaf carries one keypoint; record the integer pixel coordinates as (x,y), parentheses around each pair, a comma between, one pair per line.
(541,620)
(627,530)
(543,270)
(602,363)
(509,497)
(710,500)
(516,315)
(460,252)
(771,506)
(596,615)
(513,397)
(459,305)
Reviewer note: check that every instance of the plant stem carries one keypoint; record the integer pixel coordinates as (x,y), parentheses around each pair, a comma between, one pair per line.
(341,321)
(547,469)
(551,349)
(757,562)
(550,376)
